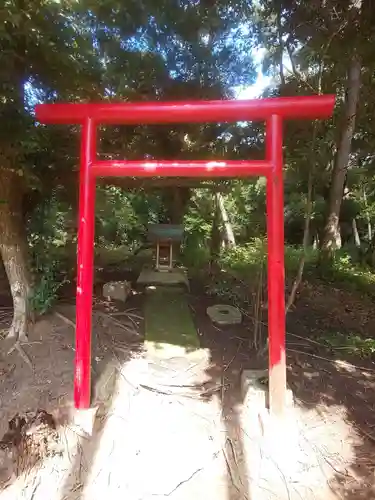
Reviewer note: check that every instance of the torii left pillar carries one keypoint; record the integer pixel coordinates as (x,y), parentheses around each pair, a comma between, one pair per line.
(85,265)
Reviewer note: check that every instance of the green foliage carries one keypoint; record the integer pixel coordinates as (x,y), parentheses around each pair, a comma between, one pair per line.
(241,265)
(349,343)
(170,50)
(196,254)
(246,204)
(116,220)
(246,259)
(49,281)
(345,271)
(197,228)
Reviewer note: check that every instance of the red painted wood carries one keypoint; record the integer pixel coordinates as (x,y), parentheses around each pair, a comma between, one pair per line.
(85,265)
(276,280)
(229,168)
(272,110)
(318,106)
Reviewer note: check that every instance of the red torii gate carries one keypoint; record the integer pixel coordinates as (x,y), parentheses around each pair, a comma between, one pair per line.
(273,111)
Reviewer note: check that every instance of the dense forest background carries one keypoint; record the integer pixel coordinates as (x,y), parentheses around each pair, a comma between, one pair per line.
(185,49)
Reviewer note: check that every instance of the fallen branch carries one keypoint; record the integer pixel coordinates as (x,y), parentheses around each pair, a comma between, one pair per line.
(75,488)
(367,434)
(154,389)
(126,313)
(65,319)
(307,340)
(127,349)
(184,481)
(229,469)
(318,451)
(200,390)
(134,322)
(364,368)
(35,487)
(287,333)
(116,322)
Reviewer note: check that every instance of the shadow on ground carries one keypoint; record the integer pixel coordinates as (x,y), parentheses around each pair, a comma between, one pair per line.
(328,383)
(332,381)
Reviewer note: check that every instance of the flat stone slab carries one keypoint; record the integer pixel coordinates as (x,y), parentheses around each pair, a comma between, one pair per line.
(223,314)
(149,276)
(166,351)
(174,376)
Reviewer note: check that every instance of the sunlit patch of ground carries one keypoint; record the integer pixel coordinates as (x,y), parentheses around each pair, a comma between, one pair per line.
(153,444)
(305,457)
(155,436)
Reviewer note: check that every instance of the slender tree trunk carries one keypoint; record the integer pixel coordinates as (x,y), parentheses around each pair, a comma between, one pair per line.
(331,235)
(316,241)
(176,201)
(370,252)
(306,230)
(280,49)
(369,227)
(229,235)
(13,250)
(357,239)
(215,239)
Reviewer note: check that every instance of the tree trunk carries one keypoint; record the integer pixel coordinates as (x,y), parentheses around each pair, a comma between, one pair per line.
(176,201)
(369,228)
(331,235)
(357,239)
(370,252)
(280,49)
(229,235)
(13,250)
(215,239)
(316,240)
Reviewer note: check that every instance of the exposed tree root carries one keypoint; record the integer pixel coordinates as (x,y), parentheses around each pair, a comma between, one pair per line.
(17,346)
(18,329)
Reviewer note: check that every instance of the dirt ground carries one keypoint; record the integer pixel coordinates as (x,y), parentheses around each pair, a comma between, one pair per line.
(198,440)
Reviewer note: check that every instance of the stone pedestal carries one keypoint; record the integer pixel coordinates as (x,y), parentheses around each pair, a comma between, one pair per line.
(117,290)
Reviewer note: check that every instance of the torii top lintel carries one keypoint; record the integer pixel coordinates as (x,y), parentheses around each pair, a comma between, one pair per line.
(298,107)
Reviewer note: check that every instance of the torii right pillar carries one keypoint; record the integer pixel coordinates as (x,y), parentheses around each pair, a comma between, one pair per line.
(276,278)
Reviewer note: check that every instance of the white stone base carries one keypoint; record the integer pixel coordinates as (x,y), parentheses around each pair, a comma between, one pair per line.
(271,443)
(255,392)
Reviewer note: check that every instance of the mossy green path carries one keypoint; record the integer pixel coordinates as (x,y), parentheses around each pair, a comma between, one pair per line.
(168,318)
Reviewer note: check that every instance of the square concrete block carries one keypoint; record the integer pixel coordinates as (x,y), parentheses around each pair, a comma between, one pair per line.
(254,389)
(117,290)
